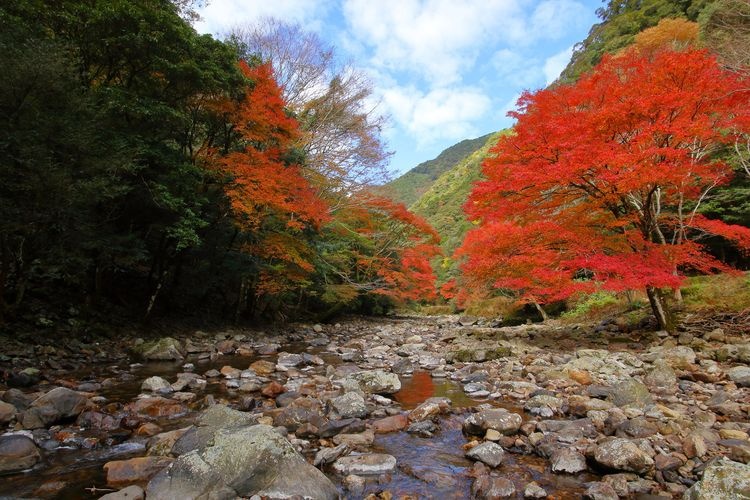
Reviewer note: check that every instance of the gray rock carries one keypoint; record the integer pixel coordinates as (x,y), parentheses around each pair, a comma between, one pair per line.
(17,452)
(244,461)
(680,357)
(209,422)
(488,453)
(326,456)
(533,490)
(568,460)
(355,484)
(155,384)
(130,493)
(165,349)
(289,360)
(544,405)
(661,378)
(499,419)
(368,464)
(58,404)
(630,392)
(623,454)
(740,375)
(722,479)
(601,491)
(375,381)
(350,405)
(491,488)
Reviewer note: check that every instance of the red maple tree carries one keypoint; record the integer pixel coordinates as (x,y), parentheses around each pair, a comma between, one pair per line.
(601,183)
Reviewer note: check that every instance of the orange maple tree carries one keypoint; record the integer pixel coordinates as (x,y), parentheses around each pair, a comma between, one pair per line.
(389,249)
(272,202)
(601,183)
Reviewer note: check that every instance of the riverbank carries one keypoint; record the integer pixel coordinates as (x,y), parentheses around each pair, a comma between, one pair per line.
(404,407)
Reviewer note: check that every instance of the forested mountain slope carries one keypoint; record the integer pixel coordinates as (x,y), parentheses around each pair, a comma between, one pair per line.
(413,184)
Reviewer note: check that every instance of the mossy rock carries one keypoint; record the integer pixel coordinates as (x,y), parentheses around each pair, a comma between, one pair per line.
(480,355)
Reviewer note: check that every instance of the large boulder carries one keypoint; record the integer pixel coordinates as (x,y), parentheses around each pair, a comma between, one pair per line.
(662,378)
(209,422)
(374,382)
(164,349)
(17,452)
(56,405)
(722,478)
(499,419)
(241,461)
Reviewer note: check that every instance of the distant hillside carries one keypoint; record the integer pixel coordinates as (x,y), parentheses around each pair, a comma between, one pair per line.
(442,204)
(413,184)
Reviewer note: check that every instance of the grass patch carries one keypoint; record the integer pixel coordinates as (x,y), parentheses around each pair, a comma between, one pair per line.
(593,306)
(718,292)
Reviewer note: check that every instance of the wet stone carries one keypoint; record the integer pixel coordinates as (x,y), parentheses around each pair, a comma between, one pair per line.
(488,453)
(568,460)
(490,488)
(368,464)
(17,452)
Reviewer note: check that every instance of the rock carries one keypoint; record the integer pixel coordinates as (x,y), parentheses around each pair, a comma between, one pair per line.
(272,389)
(583,377)
(429,408)
(222,416)
(600,491)
(326,456)
(499,419)
(354,484)
(350,405)
(390,424)
(317,328)
(133,492)
(533,490)
(622,454)
(662,378)
(357,440)
(544,405)
(376,381)
(694,446)
(7,412)
(492,435)
(630,392)
(98,420)
(722,479)
(740,375)
(245,461)
(165,349)
(290,360)
(161,444)
(425,428)
(157,407)
(156,384)
(490,488)
(568,460)
(488,453)
(56,405)
(368,464)
(263,367)
(680,357)
(134,470)
(17,452)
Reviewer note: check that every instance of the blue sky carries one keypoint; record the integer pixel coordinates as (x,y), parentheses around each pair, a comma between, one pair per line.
(443,70)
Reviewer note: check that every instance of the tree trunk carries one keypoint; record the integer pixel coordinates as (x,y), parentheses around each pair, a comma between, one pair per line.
(659,305)
(542,312)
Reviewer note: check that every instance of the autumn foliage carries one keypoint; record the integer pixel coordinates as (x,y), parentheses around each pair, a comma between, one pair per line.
(600,184)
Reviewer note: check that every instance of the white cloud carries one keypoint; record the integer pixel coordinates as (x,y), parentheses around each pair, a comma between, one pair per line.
(553,18)
(520,70)
(554,65)
(437,39)
(221,15)
(440,114)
